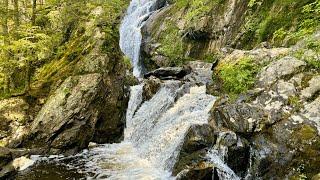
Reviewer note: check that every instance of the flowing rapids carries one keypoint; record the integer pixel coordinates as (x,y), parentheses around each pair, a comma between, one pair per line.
(153,137)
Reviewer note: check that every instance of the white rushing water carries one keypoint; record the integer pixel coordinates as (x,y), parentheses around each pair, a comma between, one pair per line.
(130,30)
(153,137)
(155,129)
(154,134)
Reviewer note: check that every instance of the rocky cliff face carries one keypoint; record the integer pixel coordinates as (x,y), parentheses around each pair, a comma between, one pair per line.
(272,129)
(266,123)
(198,29)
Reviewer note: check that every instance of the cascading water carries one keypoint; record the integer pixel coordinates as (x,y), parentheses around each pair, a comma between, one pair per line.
(217,157)
(130,30)
(155,129)
(153,137)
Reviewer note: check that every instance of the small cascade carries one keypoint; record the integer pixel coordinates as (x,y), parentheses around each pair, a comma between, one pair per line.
(217,156)
(134,101)
(139,126)
(130,30)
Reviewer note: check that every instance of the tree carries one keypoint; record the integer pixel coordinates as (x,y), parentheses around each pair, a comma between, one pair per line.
(34,11)
(4,20)
(4,53)
(16,14)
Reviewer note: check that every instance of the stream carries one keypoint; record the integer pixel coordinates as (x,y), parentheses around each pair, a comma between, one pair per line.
(155,129)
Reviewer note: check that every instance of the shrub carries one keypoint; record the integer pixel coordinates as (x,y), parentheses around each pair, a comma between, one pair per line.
(239,77)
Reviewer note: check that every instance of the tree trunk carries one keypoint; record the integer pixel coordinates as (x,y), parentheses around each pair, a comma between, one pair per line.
(5,33)
(34,11)
(5,21)
(16,14)
(28,77)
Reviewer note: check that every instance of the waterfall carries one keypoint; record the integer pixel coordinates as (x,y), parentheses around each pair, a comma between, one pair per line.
(156,128)
(130,30)
(154,134)
(153,138)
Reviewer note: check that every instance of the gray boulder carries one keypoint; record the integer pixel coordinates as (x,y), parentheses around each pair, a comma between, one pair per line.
(194,150)
(279,69)
(67,121)
(238,117)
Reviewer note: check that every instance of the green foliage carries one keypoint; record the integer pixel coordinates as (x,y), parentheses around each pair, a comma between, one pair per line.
(127,62)
(279,35)
(314,61)
(310,53)
(48,52)
(212,57)
(295,102)
(239,77)
(281,22)
(171,46)
(198,9)
(253,3)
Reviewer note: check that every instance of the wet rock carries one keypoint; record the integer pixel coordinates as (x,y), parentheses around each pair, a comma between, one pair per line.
(238,157)
(92,145)
(279,69)
(67,121)
(22,163)
(194,148)
(150,88)
(11,161)
(7,172)
(5,156)
(169,72)
(203,171)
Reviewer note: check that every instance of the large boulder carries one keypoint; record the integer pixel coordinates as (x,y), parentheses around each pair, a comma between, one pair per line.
(286,150)
(280,69)
(192,154)
(239,117)
(201,73)
(312,89)
(67,121)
